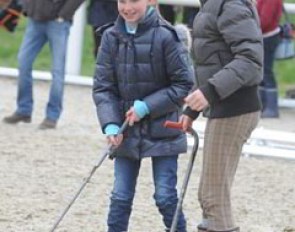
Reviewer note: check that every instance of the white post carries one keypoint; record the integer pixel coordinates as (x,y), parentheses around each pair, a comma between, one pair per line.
(180,2)
(290,7)
(75,44)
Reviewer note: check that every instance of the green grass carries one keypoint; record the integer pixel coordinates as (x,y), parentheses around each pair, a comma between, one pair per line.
(9,44)
(284,69)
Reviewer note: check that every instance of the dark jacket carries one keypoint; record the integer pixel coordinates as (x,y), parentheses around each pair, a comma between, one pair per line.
(45,10)
(151,66)
(228,50)
(100,12)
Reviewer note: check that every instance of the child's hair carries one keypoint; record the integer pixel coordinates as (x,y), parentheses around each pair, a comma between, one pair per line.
(184,35)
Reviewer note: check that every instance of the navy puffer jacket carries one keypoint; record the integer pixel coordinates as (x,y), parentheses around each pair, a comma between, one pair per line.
(152,66)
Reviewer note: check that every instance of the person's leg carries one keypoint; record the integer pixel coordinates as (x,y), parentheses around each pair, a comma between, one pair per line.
(96,40)
(126,173)
(167,11)
(58,33)
(165,179)
(189,14)
(224,139)
(33,41)
(268,89)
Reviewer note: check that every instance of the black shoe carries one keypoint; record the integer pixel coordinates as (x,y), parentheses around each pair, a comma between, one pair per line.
(47,124)
(201,228)
(16,118)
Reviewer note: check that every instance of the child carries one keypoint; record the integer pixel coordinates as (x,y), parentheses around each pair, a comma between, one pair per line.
(143,74)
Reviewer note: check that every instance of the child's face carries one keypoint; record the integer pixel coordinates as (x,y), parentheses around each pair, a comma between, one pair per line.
(133,10)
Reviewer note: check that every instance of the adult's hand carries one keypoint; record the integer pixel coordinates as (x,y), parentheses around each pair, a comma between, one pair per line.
(196,101)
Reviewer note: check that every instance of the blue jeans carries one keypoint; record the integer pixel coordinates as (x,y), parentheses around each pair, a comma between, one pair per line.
(269,44)
(165,180)
(36,35)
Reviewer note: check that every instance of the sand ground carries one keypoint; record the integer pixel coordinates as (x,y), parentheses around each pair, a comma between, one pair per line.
(40,171)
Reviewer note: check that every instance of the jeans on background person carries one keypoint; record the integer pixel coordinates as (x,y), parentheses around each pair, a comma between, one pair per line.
(167,11)
(189,14)
(36,35)
(268,88)
(165,180)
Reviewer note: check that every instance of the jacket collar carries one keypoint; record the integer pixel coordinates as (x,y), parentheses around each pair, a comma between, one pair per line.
(144,25)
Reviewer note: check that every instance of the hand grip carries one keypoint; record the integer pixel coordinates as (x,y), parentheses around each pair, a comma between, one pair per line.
(173,125)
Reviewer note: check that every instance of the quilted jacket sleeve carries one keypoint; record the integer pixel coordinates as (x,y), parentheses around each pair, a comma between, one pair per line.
(105,90)
(180,74)
(239,27)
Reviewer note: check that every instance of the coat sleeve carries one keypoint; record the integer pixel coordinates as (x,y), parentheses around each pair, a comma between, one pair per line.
(180,76)
(105,90)
(239,26)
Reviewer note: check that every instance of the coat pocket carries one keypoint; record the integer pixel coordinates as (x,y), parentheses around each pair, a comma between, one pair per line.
(157,129)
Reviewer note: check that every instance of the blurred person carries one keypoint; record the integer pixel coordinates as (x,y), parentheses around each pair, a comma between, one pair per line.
(142,75)
(4,4)
(10,14)
(228,52)
(48,21)
(189,14)
(99,13)
(270,12)
(167,11)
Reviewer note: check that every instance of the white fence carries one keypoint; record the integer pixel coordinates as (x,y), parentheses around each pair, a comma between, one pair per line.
(262,142)
(75,45)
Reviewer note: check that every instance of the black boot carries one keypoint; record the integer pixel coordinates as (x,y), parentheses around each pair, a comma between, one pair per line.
(201,228)
(270,109)
(261,91)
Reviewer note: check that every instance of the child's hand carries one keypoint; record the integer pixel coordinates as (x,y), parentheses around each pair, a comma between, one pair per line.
(131,116)
(115,140)
(186,122)
(113,137)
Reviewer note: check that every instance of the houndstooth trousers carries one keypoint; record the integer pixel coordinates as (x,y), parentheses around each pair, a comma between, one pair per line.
(224,139)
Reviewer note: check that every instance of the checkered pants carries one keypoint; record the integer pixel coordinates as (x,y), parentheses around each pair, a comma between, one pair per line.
(224,139)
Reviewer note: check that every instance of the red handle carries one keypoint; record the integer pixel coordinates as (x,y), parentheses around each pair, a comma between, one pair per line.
(173,125)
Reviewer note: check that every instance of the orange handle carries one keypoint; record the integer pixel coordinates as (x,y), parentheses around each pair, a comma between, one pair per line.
(173,125)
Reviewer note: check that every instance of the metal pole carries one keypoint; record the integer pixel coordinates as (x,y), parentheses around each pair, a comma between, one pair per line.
(109,152)
(79,191)
(186,180)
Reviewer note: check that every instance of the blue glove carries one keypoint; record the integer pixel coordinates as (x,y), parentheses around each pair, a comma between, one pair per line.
(111,129)
(141,109)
